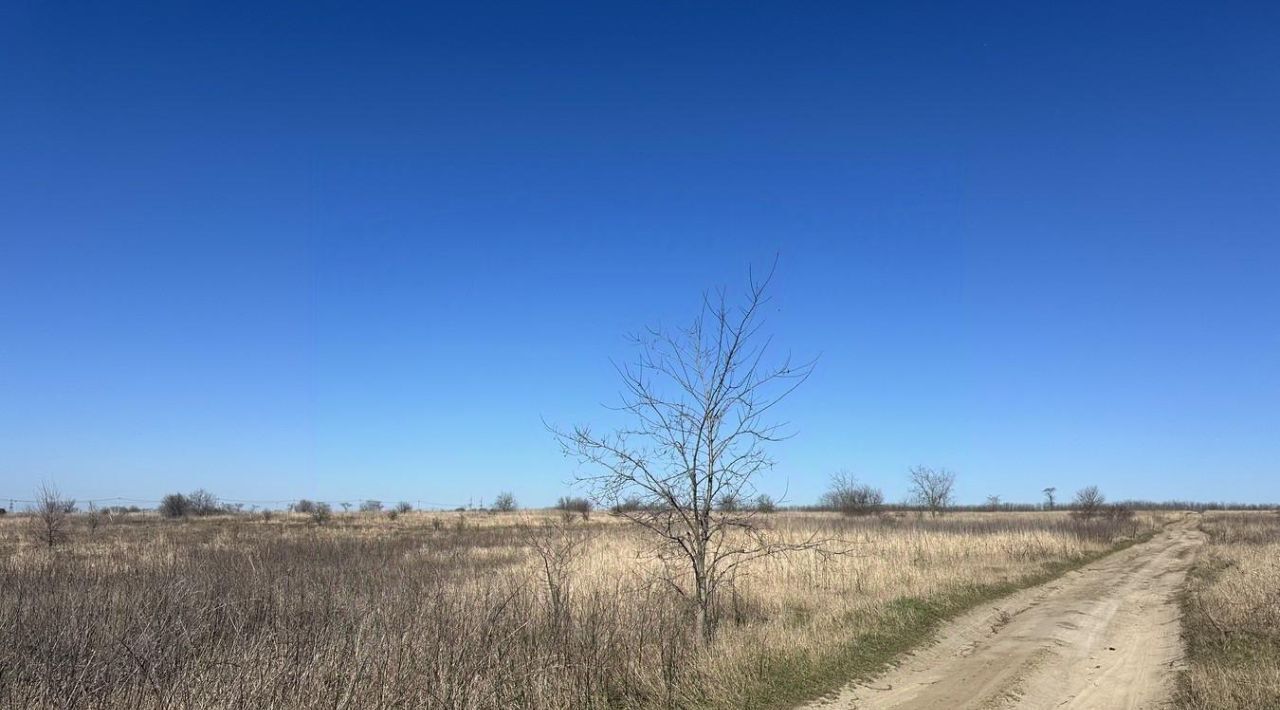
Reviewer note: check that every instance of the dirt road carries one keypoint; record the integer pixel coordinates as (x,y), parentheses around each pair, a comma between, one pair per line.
(1102,637)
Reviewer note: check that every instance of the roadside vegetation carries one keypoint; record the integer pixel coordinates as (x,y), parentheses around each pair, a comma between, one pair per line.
(1231,615)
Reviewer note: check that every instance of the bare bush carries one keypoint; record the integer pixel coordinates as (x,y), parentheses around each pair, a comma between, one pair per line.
(51,513)
(505,502)
(403,506)
(570,506)
(174,505)
(320,513)
(630,504)
(557,544)
(371,506)
(765,504)
(932,489)
(1088,503)
(94,518)
(846,495)
(203,502)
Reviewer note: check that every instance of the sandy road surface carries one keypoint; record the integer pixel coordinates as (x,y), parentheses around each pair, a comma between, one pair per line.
(1102,637)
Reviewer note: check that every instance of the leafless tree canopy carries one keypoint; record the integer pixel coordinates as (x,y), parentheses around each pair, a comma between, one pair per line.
(848,496)
(699,400)
(51,519)
(932,488)
(505,502)
(1088,502)
(570,506)
(1049,497)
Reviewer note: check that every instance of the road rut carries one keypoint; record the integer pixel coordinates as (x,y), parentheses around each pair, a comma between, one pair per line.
(1106,636)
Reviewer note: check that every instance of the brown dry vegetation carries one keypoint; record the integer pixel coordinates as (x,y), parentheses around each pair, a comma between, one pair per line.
(451,611)
(1231,615)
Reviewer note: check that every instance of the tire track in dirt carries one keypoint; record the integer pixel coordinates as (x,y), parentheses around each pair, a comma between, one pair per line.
(1106,636)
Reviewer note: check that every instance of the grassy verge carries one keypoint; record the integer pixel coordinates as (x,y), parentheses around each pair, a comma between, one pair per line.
(788,680)
(1231,616)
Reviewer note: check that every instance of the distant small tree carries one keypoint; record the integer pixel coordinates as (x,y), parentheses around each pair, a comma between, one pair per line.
(630,504)
(729,502)
(1049,497)
(932,488)
(203,502)
(50,522)
(304,506)
(846,495)
(320,513)
(505,502)
(1088,503)
(1118,512)
(571,506)
(404,506)
(371,506)
(174,505)
(95,518)
(765,504)
(993,503)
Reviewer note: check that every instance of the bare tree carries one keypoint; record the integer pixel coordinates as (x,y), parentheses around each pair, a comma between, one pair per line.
(698,398)
(993,503)
(1088,502)
(729,503)
(174,505)
(570,506)
(51,516)
(371,506)
(931,488)
(848,496)
(1049,497)
(203,502)
(320,513)
(557,545)
(766,504)
(505,502)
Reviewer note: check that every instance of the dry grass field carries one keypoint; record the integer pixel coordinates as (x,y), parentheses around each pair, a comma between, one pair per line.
(457,610)
(1231,614)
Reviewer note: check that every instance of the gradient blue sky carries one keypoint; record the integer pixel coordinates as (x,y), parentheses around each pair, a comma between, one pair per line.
(340,251)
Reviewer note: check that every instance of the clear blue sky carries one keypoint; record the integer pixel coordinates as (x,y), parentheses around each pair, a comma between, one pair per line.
(336,250)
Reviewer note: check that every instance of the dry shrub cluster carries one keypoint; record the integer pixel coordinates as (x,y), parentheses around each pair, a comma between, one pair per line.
(445,611)
(1231,619)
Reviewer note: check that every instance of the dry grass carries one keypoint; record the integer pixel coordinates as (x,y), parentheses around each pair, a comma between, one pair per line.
(1231,619)
(446,611)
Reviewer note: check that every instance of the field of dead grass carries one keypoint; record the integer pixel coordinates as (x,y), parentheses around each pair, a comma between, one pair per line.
(461,611)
